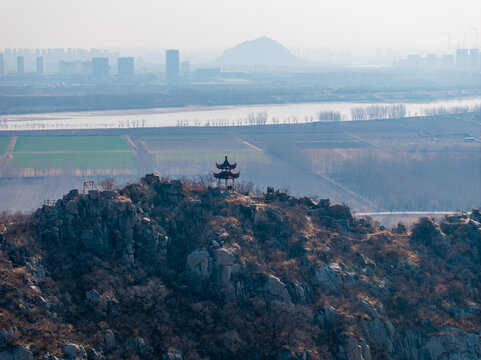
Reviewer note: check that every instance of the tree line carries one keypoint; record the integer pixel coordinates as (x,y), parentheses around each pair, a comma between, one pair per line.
(371,112)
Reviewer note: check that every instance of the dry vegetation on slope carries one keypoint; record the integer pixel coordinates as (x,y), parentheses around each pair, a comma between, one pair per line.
(173,270)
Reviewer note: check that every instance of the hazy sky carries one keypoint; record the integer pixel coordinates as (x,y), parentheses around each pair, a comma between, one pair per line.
(216,24)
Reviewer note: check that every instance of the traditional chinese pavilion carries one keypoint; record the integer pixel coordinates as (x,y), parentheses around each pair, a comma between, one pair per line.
(226,173)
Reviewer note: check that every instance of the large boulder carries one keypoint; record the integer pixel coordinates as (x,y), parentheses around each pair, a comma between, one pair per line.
(72,207)
(109,340)
(333,276)
(74,351)
(137,346)
(329,276)
(102,305)
(328,318)
(16,353)
(198,263)
(377,332)
(224,256)
(276,288)
(173,355)
(452,343)
(7,337)
(338,211)
(475,215)
(98,301)
(428,233)
(351,348)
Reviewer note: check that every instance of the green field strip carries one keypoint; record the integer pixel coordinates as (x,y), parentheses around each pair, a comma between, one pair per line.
(4,142)
(210,156)
(39,144)
(105,160)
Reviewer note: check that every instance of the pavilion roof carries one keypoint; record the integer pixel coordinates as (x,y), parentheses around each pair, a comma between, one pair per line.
(226,165)
(227,175)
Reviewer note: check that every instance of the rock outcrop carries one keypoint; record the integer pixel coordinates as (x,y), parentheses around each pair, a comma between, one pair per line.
(165,269)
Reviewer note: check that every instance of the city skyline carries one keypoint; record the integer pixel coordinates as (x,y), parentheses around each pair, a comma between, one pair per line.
(305,24)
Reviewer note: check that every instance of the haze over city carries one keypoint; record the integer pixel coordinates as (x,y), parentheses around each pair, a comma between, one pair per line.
(208,27)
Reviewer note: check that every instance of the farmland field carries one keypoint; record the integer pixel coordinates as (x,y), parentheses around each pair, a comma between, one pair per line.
(4,141)
(32,144)
(72,153)
(211,156)
(192,144)
(70,161)
(405,164)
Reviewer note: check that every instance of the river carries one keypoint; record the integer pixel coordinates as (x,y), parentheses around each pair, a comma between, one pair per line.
(239,115)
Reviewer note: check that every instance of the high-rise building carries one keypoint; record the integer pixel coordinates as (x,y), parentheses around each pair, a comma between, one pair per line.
(462,62)
(447,62)
(474,59)
(125,66)
(413,62)
(431,62)
(20,69)
(2,65)
(100,66)
(185,67)
(172,66)
(39,65)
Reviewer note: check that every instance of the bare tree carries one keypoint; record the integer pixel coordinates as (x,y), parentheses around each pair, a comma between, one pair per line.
(205,180)
(107,184)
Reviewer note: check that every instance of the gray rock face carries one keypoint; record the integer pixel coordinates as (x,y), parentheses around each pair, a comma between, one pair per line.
(72,207)
(376,331)
(101,305)
(427,232)
(104,225)
(453,344)
(399,229)
(450,343)
(328,318)
(16,353)
(298,293)
(352,349)
(224,274)
(94,194)
(173,355)
(109,340)
(224,256)
(198,263)
(332,276)
(329,276)
(74,351)
(96,299)
(36,267)
(71,195)
(137,346)
(93,354)
(224,260)
(475,215)
(107,194)
(7,337)
(276,288)
(90,242)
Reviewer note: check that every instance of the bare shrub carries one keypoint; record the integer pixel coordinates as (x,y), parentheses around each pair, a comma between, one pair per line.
(108,184)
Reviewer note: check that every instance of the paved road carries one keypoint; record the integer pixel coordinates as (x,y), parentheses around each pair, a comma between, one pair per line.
(8,155)
(387,213)
(147,162)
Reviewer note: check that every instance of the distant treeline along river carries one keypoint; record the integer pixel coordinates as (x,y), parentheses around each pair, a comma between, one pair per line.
(245,115)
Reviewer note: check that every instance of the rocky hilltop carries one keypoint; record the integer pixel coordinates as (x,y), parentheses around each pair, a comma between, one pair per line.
(164,269)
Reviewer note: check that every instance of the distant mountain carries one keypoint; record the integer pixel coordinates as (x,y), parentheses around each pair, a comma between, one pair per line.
(262,51)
